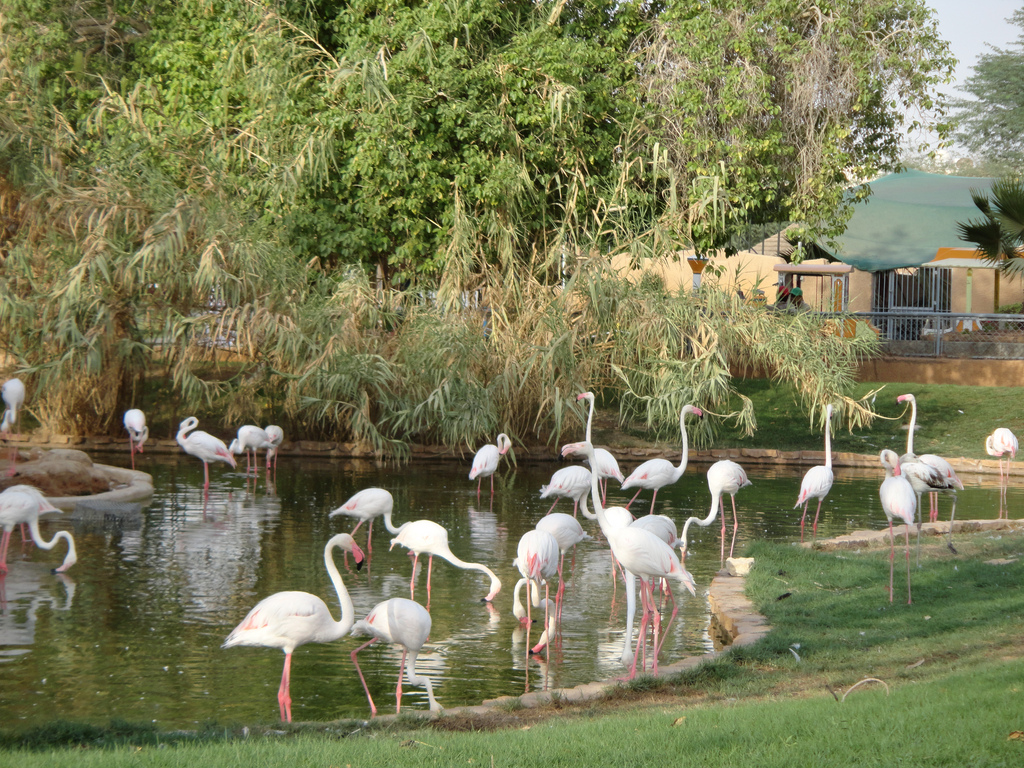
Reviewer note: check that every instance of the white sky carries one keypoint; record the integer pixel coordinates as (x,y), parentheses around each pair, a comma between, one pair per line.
(969,24)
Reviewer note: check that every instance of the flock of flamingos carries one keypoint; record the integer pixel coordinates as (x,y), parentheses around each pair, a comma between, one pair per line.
(642,549)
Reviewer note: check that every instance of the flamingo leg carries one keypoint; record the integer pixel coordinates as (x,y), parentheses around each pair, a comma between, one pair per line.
(908,565)
(634,497)
(604,491)
(284,699)
(131,450)
(430,570)
(369,698)
(206,476)
(675,612)
(5,539)
(803,517)
(492,486)
(892,555)
(949,536)
(398,688)
(721,514)
(814,528)
(412,581)
(735,526)
(651,512)
(552,507)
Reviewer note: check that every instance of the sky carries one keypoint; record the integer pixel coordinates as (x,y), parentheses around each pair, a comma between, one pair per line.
(968,25)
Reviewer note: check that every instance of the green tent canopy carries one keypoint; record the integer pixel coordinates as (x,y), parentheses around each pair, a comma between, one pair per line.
(907,218)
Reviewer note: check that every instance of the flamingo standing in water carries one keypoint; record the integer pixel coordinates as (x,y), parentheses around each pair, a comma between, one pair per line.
(898,500)
(643,555)
(727,477)
(817,482)
(287,620)
(657,473)
(250,439)
(400,622)
(568,533)
(138,432)
(537,558)
(366,506)
(276,435)
(1001,442)
(427,537)
(13,394)
(203,446)
(570,483)
(950,481)
(21,504)
(485,463)
(607,467)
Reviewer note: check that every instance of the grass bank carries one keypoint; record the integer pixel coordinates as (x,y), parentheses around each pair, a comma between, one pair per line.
(953,663)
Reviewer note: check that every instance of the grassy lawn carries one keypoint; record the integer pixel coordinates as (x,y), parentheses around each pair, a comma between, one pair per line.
(953,663)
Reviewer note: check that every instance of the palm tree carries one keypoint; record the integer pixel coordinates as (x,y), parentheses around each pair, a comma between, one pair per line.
(1000,235)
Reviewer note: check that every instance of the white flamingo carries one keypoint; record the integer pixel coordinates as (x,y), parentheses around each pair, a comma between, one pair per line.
(287,620)
(203,446)
(569,483)
(399,622)
(657,473)
(537,558)
(366,506)
(1002,441)
(485,463)
(817,481)
(276,435)
(138,432)
(13,394)
(898,500)
(950,481)
(249,440)
(21,504)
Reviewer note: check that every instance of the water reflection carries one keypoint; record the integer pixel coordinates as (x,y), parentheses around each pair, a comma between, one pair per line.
(139,637)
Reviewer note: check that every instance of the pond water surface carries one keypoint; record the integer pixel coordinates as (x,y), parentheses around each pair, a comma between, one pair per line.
(134,630)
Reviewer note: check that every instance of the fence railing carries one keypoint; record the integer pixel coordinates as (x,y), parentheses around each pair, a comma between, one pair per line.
(921,333)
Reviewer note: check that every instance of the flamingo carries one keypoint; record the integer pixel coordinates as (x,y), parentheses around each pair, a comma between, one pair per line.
(950,480)
(522,614)
(366,506)
(203,446)
(287,620)
(427,537)
(13,394)
(400,622)
(643,555)
(138,432)
(726,477)
(485,463)
(568,533)
(570,483)
(657,473)
(276,435)
(537,559)
(818,481)
(22,504)
(607,467)
(250,438)
(898,500)
(1000,442)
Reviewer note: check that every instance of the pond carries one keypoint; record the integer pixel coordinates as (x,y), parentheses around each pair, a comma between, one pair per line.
(134,629)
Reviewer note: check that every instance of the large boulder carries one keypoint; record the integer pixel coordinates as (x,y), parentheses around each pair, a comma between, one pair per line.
(60,472)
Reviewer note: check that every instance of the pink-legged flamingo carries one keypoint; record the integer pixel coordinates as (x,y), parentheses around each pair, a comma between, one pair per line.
(287,620)
(999,443)
(138,432)
(924,478)
(568,533)
(524,616)
(645,557)
(250,439)
(427,537)
(366,506)
(276,435)
(537,558)
(727,477)
(657,473)
(21,504)
(951,481)
(607,467)
(569,483)
(817,481)
(898,500)
(13,394)
(485,463)
(203,446)
(398,622)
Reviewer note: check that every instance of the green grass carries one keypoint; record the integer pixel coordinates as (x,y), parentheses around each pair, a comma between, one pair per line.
(953,663)
(952,420)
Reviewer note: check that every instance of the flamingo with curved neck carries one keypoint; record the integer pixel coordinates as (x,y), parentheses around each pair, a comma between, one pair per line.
(949,477)
(21,504)
(607,467)
(818,481)
(657,473)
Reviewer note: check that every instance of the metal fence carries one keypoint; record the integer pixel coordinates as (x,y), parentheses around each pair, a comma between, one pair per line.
(923,333)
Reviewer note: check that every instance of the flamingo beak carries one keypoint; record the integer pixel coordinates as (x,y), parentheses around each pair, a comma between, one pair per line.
(358,554)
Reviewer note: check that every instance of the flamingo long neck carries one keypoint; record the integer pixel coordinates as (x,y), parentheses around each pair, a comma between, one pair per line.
(828,439)
(72,556)
(590,418)
(187,426)
(342,626)
(458,563)
(913,424)
(686,448)
(716,496)
(388,522)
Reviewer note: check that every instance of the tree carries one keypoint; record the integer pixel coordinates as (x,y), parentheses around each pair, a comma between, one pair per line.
(991,123)
(1000,235)
(786,102)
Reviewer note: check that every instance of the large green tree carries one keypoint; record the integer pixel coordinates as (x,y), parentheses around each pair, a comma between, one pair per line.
(772,108)
(991,121)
